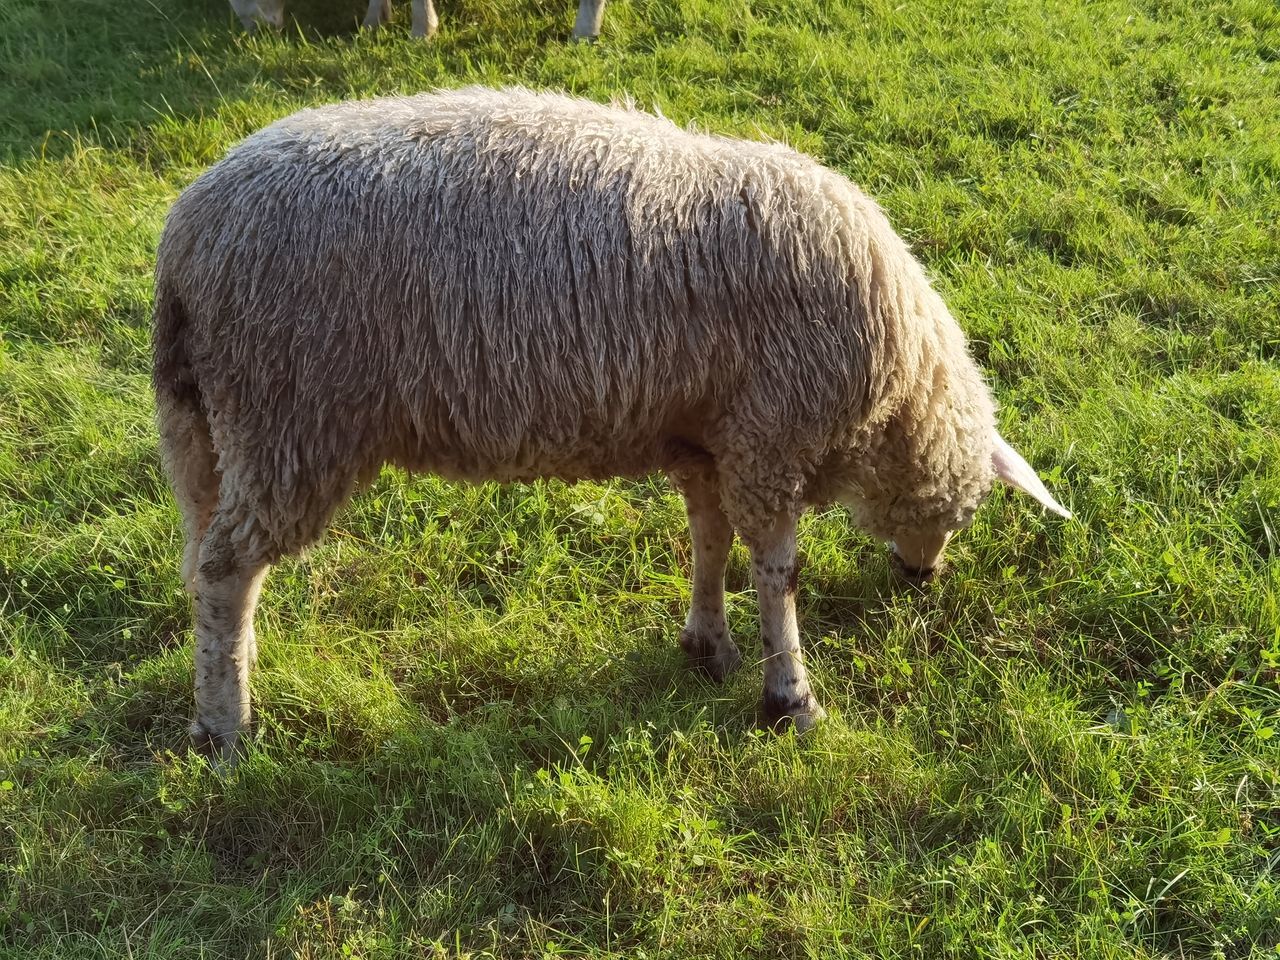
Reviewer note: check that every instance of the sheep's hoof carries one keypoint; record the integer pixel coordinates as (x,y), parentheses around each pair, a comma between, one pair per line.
(716,660)
(801,714)
(220,749)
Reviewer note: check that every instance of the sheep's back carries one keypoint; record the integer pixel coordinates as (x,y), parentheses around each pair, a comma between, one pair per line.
(508,284)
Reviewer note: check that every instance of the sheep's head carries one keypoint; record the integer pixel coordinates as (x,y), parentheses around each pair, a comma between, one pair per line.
(918,511)
(917,553)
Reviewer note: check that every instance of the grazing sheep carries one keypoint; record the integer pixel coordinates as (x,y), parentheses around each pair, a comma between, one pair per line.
(503,285)
(425,21)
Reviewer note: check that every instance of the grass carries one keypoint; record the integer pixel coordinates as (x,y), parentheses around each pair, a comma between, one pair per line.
(475,733)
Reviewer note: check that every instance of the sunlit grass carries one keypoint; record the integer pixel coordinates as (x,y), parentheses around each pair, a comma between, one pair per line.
(475,732)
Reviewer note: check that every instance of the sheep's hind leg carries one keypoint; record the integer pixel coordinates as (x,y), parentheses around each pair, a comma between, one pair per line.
(787,698)
(705,637)
(192,466)
(229,573)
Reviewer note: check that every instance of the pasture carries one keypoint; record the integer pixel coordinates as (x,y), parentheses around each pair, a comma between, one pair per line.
(475,733)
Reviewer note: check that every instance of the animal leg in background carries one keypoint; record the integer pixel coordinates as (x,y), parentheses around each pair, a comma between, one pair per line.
(425,21)
(590,17)
(379,12)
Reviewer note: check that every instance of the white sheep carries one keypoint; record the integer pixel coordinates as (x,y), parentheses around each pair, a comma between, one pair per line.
(425,21)
(503,285)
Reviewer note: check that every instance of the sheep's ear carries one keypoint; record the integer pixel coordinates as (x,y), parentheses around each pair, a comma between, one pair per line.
(1016,472)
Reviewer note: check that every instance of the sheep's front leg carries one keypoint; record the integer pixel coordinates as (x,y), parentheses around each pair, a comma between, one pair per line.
(705,637)
(226,591)
(590,17)
(425,21)
(787,698)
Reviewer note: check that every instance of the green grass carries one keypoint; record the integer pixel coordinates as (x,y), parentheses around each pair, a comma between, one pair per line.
(475,733)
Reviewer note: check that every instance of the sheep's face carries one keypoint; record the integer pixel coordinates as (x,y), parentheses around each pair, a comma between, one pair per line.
(915,532)
(901,494)
(917,527)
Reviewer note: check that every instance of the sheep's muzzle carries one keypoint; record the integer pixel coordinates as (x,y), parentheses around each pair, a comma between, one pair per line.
(916,576)
(917,558)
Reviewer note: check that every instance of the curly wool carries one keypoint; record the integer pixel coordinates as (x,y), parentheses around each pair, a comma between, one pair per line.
(502,284)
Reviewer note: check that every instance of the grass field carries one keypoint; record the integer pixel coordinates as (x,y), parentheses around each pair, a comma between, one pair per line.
(475,732)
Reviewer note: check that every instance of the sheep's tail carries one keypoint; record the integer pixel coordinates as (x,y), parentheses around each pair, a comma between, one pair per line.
(186,443)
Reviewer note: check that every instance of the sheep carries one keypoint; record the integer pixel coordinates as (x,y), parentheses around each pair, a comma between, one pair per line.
(508,285)
(425,21)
